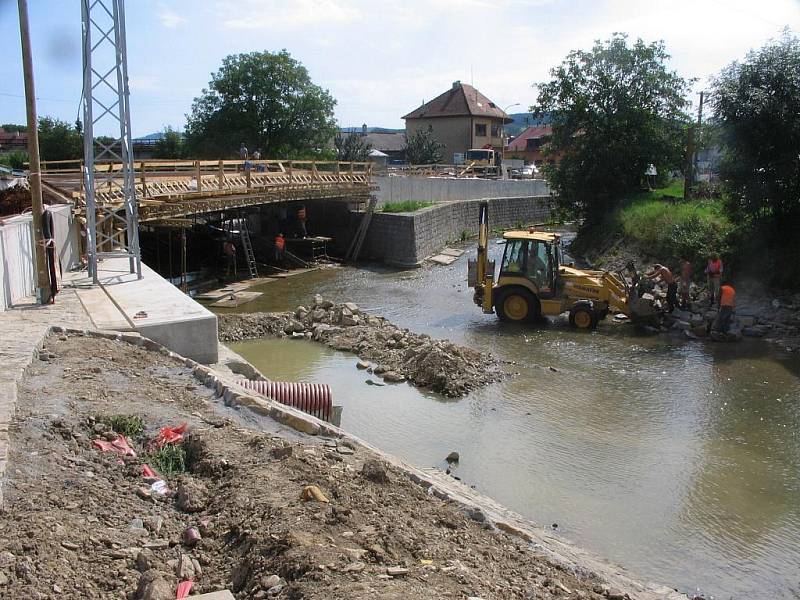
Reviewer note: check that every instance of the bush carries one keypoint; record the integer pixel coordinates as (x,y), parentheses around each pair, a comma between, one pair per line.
(15,159)
(405,206)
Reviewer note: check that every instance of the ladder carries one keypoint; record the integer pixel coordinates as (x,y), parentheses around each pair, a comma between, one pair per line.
(249,255)
(361,233)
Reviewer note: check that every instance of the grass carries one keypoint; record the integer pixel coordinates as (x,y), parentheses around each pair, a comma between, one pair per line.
(168,460)
(674,189)
(405,206)
(130,426)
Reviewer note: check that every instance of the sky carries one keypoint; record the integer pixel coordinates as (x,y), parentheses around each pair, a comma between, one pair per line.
(380,60)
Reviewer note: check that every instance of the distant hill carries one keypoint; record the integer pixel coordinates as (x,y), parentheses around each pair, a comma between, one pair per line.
(371,129)
(522,121)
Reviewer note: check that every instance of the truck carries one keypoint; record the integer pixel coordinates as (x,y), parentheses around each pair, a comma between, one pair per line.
(534,281)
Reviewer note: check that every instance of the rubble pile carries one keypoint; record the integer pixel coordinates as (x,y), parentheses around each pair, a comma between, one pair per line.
(397,354)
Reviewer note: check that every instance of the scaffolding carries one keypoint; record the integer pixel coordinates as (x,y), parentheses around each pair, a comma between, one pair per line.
(112,230)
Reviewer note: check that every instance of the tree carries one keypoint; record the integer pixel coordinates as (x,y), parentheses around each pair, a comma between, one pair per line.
(15,159)
(423,149)
(58,140)
(266,100)
(170,145)
(352,147)
(14,128)
(757,106)
(615,110)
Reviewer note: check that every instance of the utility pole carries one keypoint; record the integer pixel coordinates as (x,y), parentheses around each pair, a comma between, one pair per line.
(35,176)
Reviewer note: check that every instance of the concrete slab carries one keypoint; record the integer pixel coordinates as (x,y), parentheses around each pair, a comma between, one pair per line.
(443,259)
(452,252)
(237,299)
(102,311)
(160,311)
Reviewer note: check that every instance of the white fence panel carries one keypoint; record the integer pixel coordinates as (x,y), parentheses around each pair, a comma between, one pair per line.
(19,268)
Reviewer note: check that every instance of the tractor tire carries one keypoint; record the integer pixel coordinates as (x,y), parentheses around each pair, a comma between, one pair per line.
(582,316)
(517,305)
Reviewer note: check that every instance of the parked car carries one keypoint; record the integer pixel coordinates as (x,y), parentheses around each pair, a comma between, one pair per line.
(527,172)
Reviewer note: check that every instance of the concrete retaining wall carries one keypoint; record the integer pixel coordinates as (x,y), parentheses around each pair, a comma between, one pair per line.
(406,239)
(438,189)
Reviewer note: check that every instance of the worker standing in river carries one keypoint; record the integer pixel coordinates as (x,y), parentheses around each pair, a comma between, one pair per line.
(664,274)
(727,303)
(280,249)
(301,221)
(713,277)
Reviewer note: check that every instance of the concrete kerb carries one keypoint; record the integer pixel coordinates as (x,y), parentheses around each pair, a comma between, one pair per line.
(477,507)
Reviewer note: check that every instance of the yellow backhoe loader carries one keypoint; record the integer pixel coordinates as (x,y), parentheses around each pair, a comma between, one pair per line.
(534,282)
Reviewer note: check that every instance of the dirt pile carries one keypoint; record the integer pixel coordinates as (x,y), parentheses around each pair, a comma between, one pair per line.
(81,523)
(14,200)
(398,354)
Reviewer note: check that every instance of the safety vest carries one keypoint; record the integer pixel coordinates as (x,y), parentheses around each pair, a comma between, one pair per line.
(727,296)
(301,214)
(280,242)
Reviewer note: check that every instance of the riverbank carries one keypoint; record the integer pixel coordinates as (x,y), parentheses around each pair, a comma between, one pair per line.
(394,354)
(79,522)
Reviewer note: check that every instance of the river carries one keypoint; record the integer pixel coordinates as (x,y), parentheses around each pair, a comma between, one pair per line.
(678,460)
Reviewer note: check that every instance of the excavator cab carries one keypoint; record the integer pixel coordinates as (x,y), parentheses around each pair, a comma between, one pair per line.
(537,260)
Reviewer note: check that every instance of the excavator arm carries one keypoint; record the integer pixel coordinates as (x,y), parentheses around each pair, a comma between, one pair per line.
(481,270)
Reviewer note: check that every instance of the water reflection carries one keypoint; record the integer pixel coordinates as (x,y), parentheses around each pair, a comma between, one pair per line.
(678,460)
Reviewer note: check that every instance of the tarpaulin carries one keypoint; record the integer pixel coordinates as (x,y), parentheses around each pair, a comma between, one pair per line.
(118,445)
(170,435)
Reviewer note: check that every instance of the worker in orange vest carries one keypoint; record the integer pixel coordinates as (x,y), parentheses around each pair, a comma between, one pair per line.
(727,302)
(280,248)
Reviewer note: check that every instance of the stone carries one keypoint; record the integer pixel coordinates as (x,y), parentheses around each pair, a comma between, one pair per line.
(379,370)
(396,571)
(191,535)
(746,320)
(192,495)
(157,545)
(146,560)
(300,312)
(352,307)
(184,569)
(320,302)
(297,423)
(362,364)
(355,567)
(344,450)
(453,457)
(3,579)
(269,581)
(154,524)
(681,325)
(281,452)
(69,545)
(153,585)
(374,471)
(393,377)
(616,595)
(293,326)
(318,315)
(349,320)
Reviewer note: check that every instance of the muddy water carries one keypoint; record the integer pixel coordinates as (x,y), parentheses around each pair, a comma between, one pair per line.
(680,461)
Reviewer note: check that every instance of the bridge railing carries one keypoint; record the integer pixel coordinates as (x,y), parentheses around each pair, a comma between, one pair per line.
(173,180)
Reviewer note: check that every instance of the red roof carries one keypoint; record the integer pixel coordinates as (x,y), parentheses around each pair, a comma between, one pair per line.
(461,100)
(10,136)
(520,143)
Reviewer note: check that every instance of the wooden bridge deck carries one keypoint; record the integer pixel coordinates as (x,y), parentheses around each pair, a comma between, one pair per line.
(168,189)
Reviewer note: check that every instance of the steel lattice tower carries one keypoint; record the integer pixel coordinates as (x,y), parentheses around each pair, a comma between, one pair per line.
(111,230)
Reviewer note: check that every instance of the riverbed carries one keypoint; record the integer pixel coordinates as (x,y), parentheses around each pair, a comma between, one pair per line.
(678,460)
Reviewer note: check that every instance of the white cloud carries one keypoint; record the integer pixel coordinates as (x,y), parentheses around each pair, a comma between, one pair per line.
(143,83)
(169,18)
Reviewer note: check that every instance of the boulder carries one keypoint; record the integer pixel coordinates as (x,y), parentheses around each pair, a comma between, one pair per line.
(393,377)
(374,471)
(293,326)
(192,495)
(453,457)
(153,585)
(349,320)
(352,307)
(318,315)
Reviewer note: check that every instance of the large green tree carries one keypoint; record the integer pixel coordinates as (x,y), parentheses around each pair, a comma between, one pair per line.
(58,140)
(264,100)
(170,145)
(756,103)
(615,110)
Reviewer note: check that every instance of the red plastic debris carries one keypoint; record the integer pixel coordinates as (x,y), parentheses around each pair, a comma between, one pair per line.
(119,445)
(170,435)
(148,473)
(184,587)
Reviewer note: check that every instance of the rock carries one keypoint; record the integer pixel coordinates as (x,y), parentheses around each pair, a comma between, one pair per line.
(312,492)
(293,326)
(371,382)
(349,320)
(192,495)
(281,452)
(355,567)
(154,524)
(153,585)
(69,545)
(300,312)
(396,571)
(746,320)
(3,579)
(453,457)
(352,307)
(476,514)
(616,595)
(393,377)
(184,569)
(191,535)
(379,370)
(318,315)
(696,319)
(146,559)
(344,450)
(362,364)
(269,581)
(681,325)
(157,545)
(374,471)
(320,302)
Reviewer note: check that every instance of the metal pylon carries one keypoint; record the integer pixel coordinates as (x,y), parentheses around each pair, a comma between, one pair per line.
(111,230)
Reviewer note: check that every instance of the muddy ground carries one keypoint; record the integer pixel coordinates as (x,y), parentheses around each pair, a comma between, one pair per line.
(397,354)
(81,523)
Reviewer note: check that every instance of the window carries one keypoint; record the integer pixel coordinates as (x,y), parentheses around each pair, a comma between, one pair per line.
(539,267)
(533,143)
(480,129)
(496,130)
(514,257)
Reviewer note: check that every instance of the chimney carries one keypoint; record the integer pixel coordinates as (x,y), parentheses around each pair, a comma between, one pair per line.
(456,84)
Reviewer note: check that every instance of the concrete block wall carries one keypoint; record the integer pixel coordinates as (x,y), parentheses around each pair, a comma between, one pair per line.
(406,239)
(442,189)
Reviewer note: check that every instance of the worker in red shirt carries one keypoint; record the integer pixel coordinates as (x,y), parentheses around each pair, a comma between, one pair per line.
(280,249)
(727,302)
(713,276)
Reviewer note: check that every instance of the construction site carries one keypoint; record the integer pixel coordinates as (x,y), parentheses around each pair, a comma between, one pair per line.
(325,378)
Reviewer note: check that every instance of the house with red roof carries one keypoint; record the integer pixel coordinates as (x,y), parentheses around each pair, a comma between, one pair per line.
(528,145)
(461,119)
